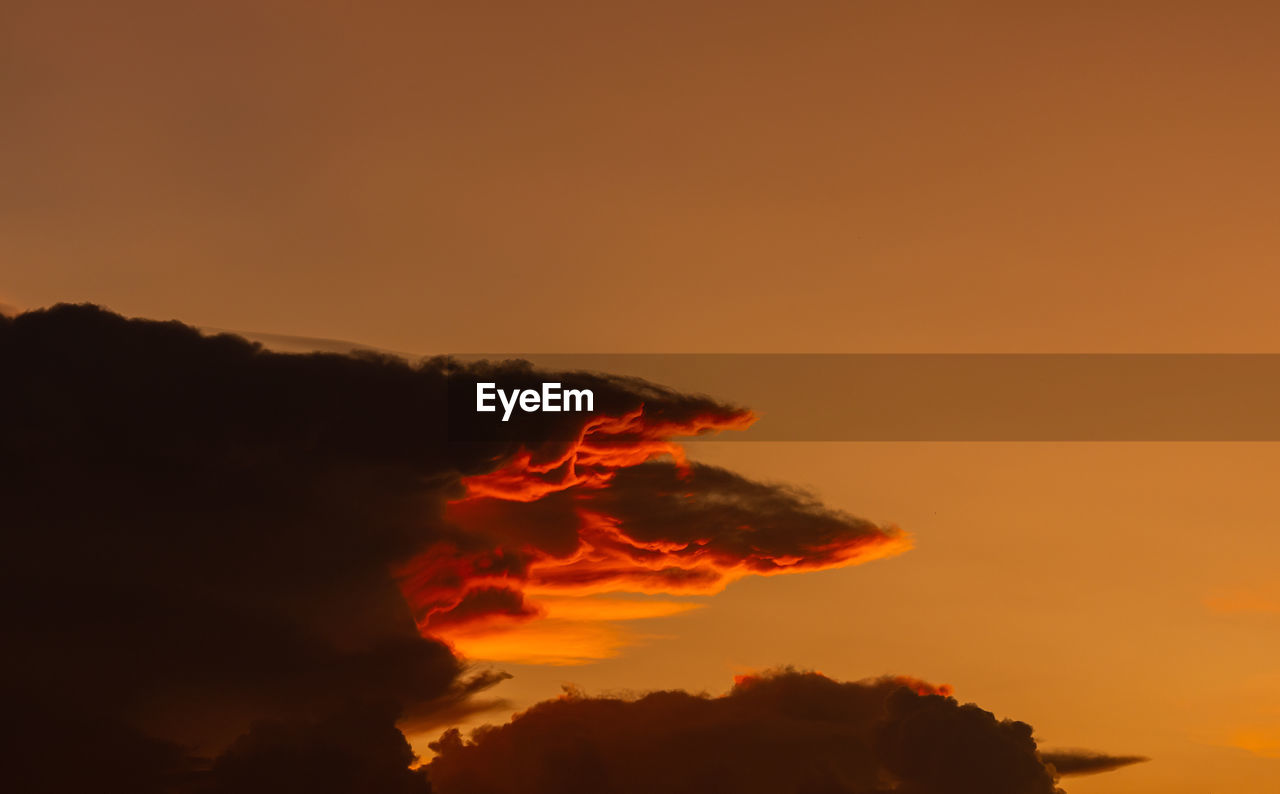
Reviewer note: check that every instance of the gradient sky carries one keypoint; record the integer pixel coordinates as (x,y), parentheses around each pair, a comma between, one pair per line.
(748,177)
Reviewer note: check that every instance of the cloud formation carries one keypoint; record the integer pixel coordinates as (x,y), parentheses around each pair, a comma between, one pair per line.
(348,752)
(619,508)
(1087,762)
(780,733)
(202,534)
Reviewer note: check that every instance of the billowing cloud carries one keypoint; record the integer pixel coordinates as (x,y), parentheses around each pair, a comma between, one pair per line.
(202,534)
(351,751)
(198,534)
(780,733)
(234,570)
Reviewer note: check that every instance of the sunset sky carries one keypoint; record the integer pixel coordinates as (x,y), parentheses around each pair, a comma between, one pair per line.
(744,177)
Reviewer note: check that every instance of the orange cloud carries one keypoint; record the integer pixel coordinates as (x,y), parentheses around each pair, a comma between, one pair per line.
(618,510)
(567,631)
(612,608)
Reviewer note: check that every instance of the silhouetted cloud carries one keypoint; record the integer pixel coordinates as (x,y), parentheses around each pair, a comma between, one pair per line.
(52,752)
(202,534)
(934,745)
(1086,762)
(349,752)
(782,733)
(228,569)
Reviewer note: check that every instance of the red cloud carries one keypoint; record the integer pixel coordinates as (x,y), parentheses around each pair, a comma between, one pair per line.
(620,509)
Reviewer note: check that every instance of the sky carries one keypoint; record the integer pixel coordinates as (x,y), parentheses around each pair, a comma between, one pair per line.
(747,177)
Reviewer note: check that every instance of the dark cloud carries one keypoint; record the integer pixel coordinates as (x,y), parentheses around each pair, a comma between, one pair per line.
(784,733)
(933,745)
(1087,762)
(349,752)
(48,752)
(483,602)
(202,535)
(199,531)
(727,520)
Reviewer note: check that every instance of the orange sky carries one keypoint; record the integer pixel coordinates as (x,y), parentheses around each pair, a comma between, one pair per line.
(748,177)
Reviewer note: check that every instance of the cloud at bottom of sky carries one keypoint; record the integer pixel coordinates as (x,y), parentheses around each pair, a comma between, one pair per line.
(256,549)
(781,732)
